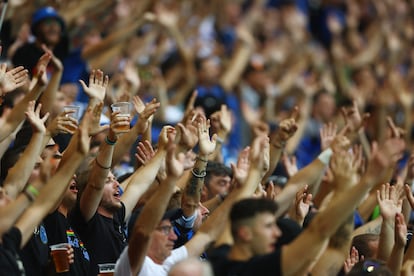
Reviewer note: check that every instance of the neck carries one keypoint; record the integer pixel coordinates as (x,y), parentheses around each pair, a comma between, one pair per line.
(104,212)
(63,210)
(156,260)
(240,252)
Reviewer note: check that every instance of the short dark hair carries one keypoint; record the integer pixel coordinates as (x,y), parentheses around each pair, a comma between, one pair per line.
(249,208)
(370,267)
(217,169)
(361,243)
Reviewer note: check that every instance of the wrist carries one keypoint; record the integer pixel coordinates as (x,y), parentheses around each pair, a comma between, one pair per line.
(325,156)
(110,140)
(31,192)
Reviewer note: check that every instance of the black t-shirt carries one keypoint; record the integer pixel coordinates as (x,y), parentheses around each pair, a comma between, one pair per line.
(35,254)
(263,265)
(59,231)
(28,55)
(104,237)
(10,263)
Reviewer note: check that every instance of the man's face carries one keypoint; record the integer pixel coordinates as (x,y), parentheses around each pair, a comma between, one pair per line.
(71,193)
(264,234)
(49,31)
(162,242)
(111,199)
(202,215)
(217,185)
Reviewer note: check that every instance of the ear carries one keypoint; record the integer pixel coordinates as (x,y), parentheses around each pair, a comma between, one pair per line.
(245,233)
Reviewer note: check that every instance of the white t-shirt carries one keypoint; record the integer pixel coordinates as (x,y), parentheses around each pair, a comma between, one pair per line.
(149,268)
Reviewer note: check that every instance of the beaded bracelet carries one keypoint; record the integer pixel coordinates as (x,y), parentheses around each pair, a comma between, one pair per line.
(109,142)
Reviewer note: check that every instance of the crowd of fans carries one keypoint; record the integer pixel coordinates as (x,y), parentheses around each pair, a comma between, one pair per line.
(267,137)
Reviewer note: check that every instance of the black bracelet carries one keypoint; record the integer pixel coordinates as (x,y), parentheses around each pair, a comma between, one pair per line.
(100,166)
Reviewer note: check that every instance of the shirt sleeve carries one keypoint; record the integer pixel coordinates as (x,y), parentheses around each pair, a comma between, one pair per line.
(122,266)
(177,255)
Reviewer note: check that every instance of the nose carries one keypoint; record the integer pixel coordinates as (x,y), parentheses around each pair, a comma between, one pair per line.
(204,210)
(172,236)
(276,231)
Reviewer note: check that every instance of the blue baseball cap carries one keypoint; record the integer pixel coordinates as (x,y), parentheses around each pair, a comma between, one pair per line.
(46,13)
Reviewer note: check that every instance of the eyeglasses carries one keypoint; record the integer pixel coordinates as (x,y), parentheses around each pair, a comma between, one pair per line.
(166,229)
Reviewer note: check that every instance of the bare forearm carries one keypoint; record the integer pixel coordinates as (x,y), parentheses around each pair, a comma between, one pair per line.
(17,114)
(47,99)
(386,240)
(20,172)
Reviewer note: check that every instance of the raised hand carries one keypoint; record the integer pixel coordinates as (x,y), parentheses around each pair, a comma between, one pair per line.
(146,112)
(97,85)
(409,195)
(257,154)
(166,131)
(54,61)
(352,259)
(385,156)
(63,124)
(327,134)
(287,128)
(400,231)
(302,203)
(221,122)
(290,164)
(241,169)
(340,143)
(12,79)
(207,146)
(145,152)
(189,110)
(118,124)
(174,161)
(95,118)
(187,135)
(343,169)
(388,201)
(396,132)
(40,69)
(33,115)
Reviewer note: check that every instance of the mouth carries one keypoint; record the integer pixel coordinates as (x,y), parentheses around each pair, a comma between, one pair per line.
(117,195)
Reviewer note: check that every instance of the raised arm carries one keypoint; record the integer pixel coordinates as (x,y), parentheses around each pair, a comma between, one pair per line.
(215,225)
(287,129)
(324,225)
(153,210)
(55,187)
(127,140)
(395,260)
(389,205)
(48,97)
(144,176)
(19,174)
(94,189)
(192,192)
(17,114)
